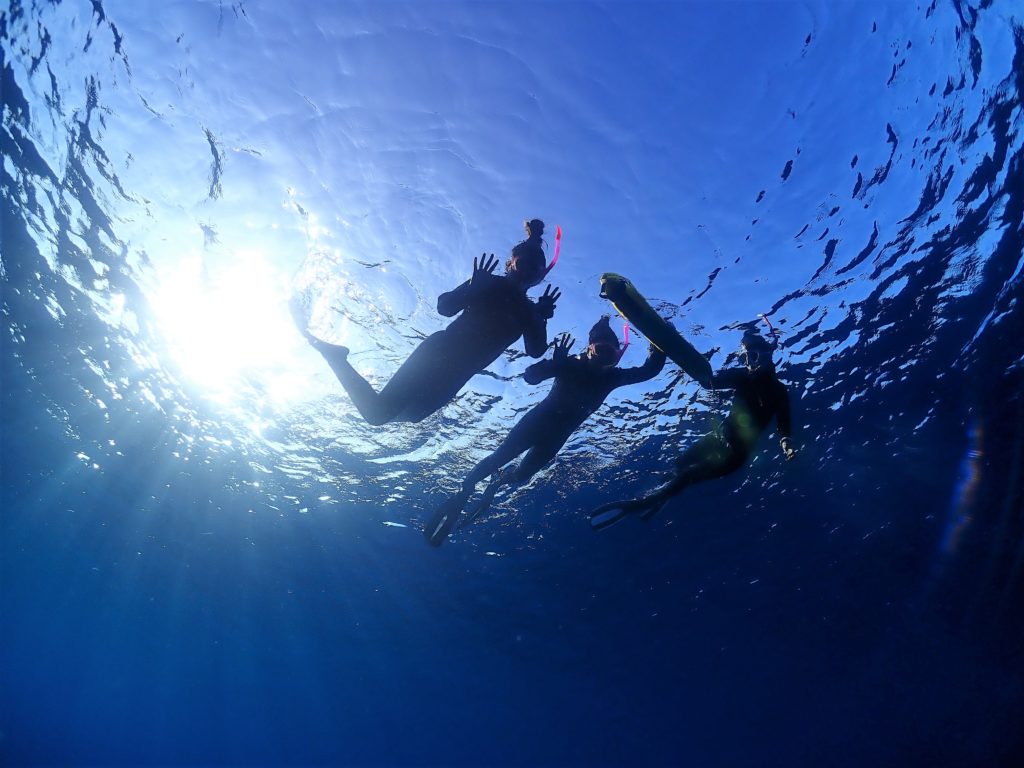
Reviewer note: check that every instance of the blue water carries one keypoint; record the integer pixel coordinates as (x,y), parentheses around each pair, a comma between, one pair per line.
(208,558)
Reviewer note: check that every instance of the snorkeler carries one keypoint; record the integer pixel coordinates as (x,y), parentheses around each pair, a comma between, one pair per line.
(582,382)
(495,313)
(759,398)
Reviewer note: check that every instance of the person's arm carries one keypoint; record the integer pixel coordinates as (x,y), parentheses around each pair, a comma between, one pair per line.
(535,334)
(729,378)
(539,372)
(782,414)
(652,367)
(451,303)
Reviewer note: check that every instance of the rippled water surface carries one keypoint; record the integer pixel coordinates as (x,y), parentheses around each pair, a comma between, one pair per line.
(208,557)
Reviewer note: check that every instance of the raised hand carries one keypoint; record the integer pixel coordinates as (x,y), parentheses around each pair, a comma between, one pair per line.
(562,346)
(484,265)
(546,302)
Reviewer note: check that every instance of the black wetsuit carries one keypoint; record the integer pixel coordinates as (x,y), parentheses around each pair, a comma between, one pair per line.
(495,313)
(580,388)
(759,398)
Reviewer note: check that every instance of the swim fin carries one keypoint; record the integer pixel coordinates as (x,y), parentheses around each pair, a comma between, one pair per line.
(483,506)
(652,509)
(444,519)
(608,515)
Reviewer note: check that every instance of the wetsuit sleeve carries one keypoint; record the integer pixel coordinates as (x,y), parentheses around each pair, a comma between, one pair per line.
(535,334)
(729,378)
(652,367)
(538,372)
(451,303)
(782,412)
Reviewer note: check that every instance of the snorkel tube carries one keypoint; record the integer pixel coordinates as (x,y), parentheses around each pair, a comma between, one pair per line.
(558,248)
(771,329)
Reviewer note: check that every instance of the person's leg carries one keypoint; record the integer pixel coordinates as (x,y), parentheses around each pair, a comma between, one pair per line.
(377,410)
(521,438)
(500,480)
(709,458)
(447,515)
(370,405)
(537,458)
(533,462)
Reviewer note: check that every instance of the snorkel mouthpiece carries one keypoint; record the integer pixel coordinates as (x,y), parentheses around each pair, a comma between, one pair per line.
(771,329)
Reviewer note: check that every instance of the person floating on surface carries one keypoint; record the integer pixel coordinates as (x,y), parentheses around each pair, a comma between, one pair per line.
(496,312)
(582,382)
(759,398)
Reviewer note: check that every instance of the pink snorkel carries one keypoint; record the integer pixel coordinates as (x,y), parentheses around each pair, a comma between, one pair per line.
(775,334)
(558,247)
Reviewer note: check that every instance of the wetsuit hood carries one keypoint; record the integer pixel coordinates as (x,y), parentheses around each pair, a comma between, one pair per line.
(758,352)
(527,265)
(601,333)
(603,343)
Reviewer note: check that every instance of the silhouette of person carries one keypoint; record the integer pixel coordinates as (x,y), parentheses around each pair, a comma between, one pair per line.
(582,382)
(760,397)
(495,313)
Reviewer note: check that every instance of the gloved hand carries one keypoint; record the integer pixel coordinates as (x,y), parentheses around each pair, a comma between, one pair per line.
(546,303)
(562,347)
(483,266)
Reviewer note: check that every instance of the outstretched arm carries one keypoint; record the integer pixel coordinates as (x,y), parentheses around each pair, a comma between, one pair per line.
(451,303)
(652,367)
(729,378)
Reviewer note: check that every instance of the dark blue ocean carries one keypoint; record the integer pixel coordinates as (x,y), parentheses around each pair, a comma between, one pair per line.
(208,558)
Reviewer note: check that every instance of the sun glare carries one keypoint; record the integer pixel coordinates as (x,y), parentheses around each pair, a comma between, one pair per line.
(227,325)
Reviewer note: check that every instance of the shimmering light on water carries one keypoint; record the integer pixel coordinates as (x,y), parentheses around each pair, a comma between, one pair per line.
(227,322)
(207,557)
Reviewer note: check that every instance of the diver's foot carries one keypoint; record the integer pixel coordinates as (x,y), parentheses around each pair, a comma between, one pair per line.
(298,310)
(328,350)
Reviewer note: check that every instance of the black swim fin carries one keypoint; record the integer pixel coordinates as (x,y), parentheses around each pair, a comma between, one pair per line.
(444,519)
(652,509)
(483,506)
(609,514)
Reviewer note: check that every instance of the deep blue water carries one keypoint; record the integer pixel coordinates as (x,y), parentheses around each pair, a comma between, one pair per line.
(207,558)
